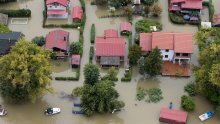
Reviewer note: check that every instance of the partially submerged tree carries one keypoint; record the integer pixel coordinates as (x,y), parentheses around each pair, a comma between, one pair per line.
(40,41)
(111,74)
(91,73)
(156,9)
(25,73)
(134,54)
(101,2)
(75,48)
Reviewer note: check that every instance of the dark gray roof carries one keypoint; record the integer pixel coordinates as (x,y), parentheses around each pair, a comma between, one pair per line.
(7,40)
(10,36)
(110,60)
(3,19)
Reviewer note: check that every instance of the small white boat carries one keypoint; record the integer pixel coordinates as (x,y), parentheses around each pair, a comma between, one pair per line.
(206,116)
(52,111)
(3,112)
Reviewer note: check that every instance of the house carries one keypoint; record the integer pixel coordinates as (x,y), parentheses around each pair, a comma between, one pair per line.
(58,42)
(172,116)
(3,19)
(110,33)
(184,5)
(77,13)
(75,61)
(57,9)
(216,20)
(110,49)
(125,28)
(7,40)
(174,47)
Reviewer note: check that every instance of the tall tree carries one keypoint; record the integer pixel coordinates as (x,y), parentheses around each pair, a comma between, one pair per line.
(111,74)
(153,62)
(91,73)
(134,54)
(25,73)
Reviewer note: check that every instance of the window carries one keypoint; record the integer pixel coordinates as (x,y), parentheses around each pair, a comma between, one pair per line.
(177,54)
(167,50)
(166,56)
(185,54)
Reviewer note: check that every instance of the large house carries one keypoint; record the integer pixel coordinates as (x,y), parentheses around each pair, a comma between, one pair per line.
(7,40)
(183,5)
(57,9)
(175,47)
(58,42)
(110,49)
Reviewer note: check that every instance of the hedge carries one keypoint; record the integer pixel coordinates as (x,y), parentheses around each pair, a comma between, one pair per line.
(92,33)
(70,78)
(83,5)
(91,53)
(17,13)
(176,19)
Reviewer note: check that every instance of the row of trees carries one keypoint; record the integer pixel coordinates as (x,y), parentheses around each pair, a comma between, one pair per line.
(98,96)
(207,75)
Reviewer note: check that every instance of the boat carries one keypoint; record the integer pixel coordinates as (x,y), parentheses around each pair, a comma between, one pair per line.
(52,111)
(77,104)
(206,116)
(78,112)
(3,112)
(116,110)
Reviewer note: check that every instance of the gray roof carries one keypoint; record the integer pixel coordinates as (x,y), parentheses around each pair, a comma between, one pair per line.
(3,19)
(110,60)
(10,36)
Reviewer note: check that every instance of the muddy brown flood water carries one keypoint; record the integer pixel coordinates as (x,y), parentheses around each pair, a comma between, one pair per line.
(141,113)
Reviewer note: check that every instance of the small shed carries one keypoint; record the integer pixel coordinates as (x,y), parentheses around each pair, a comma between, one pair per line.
(172,116)
(125,28)
(75,61)
(77,13)
(3,19)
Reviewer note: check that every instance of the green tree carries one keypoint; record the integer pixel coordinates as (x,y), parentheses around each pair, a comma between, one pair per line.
(134,54)
(111,74)
(187,103)
(75,48)
(101,2)
(91,73)
(153,62)
(99,98)
(40,41)
(4,29)
(141,65)
(25,73)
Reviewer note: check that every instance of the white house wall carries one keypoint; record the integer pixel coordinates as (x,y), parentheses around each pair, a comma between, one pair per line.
(170,54)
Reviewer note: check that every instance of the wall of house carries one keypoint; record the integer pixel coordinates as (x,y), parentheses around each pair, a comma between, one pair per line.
(170,54)
(57,7)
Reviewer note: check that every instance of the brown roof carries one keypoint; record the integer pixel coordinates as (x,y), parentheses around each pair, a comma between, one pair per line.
(3,19)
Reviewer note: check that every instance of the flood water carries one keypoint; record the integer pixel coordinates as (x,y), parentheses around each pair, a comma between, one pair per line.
(141,113)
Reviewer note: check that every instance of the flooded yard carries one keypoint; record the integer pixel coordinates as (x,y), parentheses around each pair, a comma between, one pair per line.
(135,112)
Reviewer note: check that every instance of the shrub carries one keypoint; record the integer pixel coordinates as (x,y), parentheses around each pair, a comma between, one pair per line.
(137,38)
(91,53)
(156,9)
(17,13)
(140,94)
(75,48)
(130,40)
(154,95)
(70,78)
(40,41)
(4,29)
(92,33)
(190,89)
(144,25)
(187,103)
(127,76)
(83,5)
(176,19)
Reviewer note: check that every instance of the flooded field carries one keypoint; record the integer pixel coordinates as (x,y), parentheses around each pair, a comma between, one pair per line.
(141,113)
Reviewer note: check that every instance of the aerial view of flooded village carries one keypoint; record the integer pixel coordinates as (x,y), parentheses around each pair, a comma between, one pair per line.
(109,61)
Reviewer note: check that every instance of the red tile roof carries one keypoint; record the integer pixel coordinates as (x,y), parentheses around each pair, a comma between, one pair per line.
(179,42)
(216,19)
(125,26)
(174,8)
(192,4)
(110,46)
(183,43)
(62,2)
(110,33)
(173,116)
(75,59)
(162,40)
(56,12)
(146,41)
(77,12)
(57,39)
